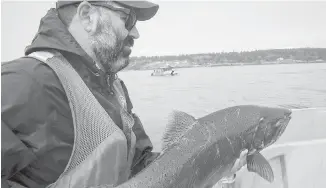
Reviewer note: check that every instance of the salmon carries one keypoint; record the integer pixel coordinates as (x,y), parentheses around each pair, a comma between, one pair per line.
(200,152)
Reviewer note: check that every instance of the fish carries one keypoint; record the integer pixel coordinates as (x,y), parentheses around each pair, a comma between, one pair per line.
(201,152)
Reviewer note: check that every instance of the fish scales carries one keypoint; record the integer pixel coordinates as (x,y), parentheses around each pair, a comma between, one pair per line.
(200,152)
(178,156)
(191,163)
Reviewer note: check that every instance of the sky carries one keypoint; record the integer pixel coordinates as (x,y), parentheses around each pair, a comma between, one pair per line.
(187,27)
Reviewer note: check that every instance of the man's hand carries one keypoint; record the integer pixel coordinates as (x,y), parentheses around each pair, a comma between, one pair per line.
(240,162)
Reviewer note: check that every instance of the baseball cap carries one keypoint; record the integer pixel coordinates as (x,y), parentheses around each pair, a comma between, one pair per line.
(144,10)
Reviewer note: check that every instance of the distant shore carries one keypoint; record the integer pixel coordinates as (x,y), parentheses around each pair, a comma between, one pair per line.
(257,57)
(246,64)
(219,65)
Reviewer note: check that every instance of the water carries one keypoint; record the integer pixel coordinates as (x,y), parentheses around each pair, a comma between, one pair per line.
(199,91)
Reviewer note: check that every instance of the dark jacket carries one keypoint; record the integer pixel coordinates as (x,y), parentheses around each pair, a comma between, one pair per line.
(36,126)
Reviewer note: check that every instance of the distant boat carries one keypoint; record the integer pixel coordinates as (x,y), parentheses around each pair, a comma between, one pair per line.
(164,71)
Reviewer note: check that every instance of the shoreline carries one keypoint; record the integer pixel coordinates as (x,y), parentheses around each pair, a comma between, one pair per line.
(223,65)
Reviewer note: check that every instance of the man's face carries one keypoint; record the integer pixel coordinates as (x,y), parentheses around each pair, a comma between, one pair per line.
(112,42)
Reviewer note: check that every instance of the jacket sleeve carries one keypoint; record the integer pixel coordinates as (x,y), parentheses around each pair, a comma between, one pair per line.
(36,124)
(143,150)
(143,154)
(15,154)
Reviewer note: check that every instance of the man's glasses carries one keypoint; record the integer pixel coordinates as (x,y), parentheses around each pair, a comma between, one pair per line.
(131,19)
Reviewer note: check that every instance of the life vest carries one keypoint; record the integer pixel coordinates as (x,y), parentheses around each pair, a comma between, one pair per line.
(102,153)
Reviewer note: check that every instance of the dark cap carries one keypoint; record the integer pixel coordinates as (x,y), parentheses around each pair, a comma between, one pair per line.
(144,10)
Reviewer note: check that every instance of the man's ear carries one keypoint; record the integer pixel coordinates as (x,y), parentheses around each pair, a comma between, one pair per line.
(88,16)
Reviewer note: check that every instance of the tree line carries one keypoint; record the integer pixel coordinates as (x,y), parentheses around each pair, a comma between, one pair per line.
(256,56)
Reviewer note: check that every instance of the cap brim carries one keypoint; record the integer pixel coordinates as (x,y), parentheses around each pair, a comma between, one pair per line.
(145,10)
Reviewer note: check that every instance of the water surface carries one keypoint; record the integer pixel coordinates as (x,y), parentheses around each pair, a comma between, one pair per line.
(199,91)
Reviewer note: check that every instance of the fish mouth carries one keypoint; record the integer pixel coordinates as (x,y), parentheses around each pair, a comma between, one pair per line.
(281,125)
(270,129)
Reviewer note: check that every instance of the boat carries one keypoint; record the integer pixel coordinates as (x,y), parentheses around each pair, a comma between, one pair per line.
(164,71)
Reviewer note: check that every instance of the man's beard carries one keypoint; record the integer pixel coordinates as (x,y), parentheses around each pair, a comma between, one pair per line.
(107,46)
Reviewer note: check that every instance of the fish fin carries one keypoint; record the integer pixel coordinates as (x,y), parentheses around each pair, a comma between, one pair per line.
(258,164)
(178,123)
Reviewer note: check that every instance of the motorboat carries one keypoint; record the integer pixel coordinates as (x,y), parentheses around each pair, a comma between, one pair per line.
(164,71)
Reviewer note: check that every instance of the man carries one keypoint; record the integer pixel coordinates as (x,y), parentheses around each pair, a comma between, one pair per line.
(37,126)
(66,117)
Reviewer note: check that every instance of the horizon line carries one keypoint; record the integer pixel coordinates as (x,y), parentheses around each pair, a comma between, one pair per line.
(237,51)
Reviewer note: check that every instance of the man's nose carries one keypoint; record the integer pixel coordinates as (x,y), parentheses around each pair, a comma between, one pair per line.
(134,33)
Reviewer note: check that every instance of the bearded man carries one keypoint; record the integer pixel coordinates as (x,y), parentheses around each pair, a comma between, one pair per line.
(67,118)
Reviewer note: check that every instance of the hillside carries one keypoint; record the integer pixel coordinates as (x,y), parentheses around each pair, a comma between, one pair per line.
(257,57)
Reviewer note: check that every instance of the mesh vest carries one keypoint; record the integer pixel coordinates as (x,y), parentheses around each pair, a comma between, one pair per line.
(102,153)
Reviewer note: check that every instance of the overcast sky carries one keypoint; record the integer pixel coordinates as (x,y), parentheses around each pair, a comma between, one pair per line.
(183,27)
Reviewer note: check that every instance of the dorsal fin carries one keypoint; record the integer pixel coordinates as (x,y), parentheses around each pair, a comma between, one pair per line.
(178,123)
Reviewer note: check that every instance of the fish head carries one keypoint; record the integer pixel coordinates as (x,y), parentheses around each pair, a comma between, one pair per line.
(271,125)
(267,129)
